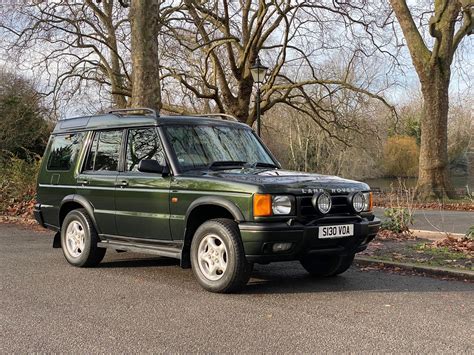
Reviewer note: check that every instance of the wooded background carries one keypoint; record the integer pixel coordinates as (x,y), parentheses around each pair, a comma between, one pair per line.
(354,88)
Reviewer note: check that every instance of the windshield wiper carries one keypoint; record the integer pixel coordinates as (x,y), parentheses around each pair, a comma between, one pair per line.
(264,165)
(226,164)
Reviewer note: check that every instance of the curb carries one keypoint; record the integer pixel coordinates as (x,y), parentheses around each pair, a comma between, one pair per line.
(430,270)
(434,235)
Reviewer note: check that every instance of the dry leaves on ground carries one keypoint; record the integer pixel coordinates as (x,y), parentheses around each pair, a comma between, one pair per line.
(385,234)
(463,245)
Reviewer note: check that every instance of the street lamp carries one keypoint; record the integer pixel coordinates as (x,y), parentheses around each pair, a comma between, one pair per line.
(258,73)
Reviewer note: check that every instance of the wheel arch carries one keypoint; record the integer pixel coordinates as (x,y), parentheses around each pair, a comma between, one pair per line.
(73,202)
(201,210)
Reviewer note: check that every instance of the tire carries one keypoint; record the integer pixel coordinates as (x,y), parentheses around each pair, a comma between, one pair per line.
(79,240)
(327,265)
(218,258)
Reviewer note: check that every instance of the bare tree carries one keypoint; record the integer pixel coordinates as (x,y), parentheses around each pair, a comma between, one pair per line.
(452,20)
(148,17)
(74,44)
(215,43)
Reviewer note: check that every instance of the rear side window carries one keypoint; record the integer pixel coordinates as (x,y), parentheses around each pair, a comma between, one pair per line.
(64,150)
(104,153)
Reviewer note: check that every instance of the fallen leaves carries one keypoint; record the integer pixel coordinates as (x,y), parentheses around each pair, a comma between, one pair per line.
(22,207)
(385,234)
(463,245)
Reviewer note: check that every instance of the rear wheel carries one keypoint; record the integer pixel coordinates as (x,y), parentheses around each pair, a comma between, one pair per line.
(218,258)
(79,240)
(327,265)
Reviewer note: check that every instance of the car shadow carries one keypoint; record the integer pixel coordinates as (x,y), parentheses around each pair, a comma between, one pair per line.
(268,280)
(291,278)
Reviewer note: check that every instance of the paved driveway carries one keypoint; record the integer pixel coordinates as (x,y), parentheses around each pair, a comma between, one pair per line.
(133,303)
(439,221)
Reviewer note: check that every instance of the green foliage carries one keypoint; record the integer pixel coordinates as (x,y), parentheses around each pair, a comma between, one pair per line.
(400,156)
(17,181)
(398,219)
(24,130)
(470,232)
(413,128)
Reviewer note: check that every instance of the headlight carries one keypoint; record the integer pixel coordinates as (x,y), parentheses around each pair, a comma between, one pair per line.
(322,202)
(358,202)
(265,205)
(281,205)
(362,201)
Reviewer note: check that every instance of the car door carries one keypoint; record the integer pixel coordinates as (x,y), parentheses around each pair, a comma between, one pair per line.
(142,199)
(96,182)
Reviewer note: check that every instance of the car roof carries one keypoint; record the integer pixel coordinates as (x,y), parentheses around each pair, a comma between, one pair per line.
(111,121)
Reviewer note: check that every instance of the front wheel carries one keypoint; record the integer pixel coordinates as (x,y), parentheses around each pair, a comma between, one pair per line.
(327,265)
(218,258)
(79,240)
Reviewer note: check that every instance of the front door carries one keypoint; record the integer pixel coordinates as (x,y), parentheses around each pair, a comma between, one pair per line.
(96,182)
(142,199)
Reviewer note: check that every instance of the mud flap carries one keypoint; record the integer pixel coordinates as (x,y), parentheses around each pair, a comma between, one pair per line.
(57,240)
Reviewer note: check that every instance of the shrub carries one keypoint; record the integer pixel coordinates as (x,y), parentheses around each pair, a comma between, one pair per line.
(470,232)
(400,156)
(398,220)
(17,184)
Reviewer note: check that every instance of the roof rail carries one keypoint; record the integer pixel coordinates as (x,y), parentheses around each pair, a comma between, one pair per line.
(137,110)
(224,116)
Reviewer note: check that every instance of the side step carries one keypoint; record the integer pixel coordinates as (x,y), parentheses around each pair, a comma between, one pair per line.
(168,252)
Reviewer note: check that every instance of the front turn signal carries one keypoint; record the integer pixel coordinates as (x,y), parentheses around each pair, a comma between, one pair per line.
(262,205)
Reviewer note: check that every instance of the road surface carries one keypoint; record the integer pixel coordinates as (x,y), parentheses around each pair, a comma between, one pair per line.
(133,303)
(438,221)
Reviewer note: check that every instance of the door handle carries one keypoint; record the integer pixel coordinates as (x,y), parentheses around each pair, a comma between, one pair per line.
(82,181)
(123,183)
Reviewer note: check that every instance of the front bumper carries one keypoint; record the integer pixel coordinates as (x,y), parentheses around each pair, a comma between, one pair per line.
(258,239)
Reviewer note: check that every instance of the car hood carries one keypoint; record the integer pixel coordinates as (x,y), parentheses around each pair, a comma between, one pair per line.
(286,181)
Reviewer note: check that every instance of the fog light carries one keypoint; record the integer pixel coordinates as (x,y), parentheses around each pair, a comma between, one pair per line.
(279,247)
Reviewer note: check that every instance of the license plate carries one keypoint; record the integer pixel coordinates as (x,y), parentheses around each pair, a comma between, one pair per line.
(339,231)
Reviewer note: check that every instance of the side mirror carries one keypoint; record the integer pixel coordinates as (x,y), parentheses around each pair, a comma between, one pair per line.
(152,166)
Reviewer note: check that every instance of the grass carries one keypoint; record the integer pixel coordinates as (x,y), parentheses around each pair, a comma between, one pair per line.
(422,253)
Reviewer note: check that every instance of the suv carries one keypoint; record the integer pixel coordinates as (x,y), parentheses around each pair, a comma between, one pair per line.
(202,190)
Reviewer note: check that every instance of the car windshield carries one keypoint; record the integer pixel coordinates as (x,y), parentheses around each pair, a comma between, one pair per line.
(198,146)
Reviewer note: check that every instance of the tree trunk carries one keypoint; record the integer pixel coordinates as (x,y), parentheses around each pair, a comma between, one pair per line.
(433,181)
(145,21)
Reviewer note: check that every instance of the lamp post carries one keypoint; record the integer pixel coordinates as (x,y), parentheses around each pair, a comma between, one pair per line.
(258,73)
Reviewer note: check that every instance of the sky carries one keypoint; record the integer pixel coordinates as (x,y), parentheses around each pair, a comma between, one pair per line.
(407,82)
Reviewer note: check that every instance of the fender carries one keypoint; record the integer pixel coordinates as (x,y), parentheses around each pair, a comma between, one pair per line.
(81,200)
(206,200)
(216,201)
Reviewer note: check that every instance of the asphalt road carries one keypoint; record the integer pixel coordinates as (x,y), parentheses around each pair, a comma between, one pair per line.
(133,303)
(438,221)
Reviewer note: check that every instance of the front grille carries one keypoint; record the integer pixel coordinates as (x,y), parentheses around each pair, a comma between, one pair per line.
(306,210)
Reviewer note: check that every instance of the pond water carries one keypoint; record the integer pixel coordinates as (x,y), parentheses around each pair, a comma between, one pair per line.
(459,183)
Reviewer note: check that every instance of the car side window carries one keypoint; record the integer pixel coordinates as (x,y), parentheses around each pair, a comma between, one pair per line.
(64,150)
(104,154)
(142,144)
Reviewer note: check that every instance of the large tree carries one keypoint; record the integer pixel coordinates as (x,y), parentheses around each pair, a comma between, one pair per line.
(451,21)
(148,18)
(312,49)
(91,46)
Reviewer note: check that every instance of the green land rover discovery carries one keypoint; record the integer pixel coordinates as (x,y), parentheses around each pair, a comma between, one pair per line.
(202,190)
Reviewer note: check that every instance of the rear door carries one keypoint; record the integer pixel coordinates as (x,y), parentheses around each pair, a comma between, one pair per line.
(96,182)
(142,199)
